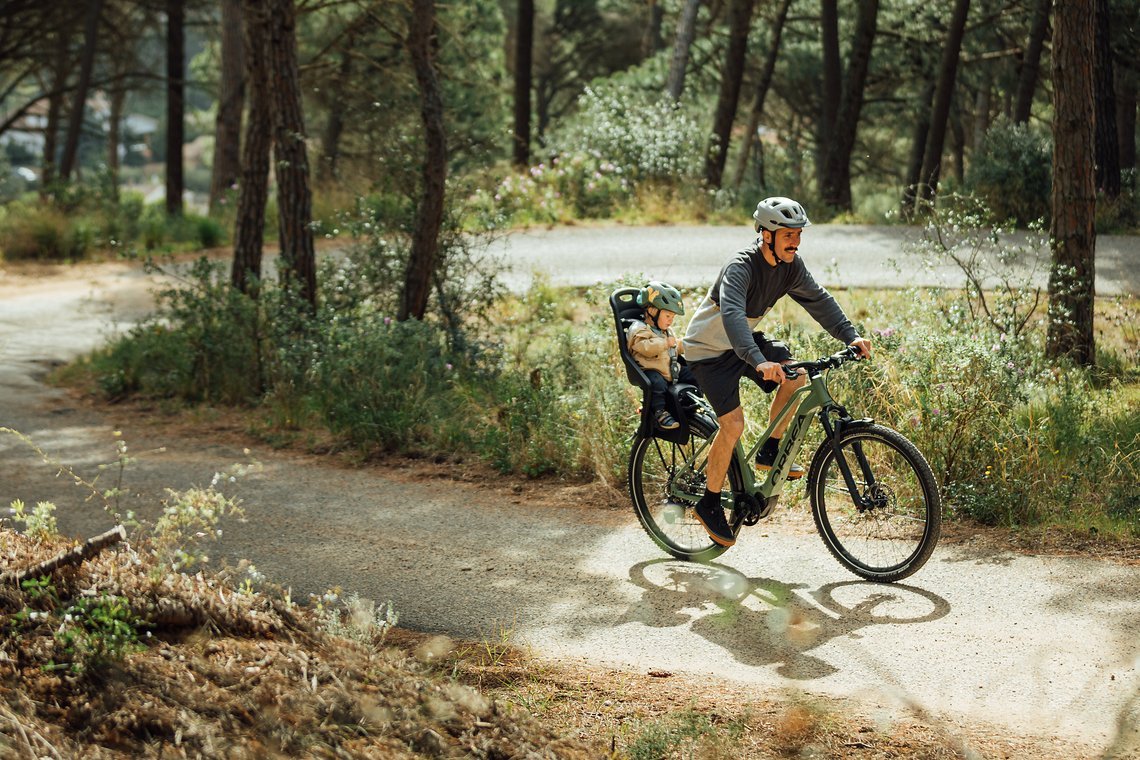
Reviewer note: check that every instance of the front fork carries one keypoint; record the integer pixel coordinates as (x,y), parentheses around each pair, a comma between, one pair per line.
(862,498)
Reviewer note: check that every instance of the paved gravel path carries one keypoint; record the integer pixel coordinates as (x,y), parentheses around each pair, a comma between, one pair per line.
(1035,646)
(838,256)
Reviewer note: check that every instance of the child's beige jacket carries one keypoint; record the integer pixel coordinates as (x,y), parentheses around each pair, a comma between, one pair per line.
(650,349)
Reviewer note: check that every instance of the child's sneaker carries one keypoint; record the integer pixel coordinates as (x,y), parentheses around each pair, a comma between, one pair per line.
(665,421)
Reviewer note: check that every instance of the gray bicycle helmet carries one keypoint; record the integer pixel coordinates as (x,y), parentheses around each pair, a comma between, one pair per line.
(661,295)
(779,213)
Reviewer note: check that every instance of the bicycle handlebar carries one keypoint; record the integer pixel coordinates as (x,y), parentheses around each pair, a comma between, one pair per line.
(848,354)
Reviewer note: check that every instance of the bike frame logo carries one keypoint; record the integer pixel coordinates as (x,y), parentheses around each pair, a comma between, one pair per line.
(792,435)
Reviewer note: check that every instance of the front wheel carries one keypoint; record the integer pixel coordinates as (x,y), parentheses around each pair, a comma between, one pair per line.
(665,482)
(885,528)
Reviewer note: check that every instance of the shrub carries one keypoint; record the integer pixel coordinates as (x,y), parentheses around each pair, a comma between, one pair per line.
(207,232)
(622,138)
(359,364)
(1012,173)
(641,133)
(1122,214)
(96,632)
(998,266)
(204,344)
(43,232)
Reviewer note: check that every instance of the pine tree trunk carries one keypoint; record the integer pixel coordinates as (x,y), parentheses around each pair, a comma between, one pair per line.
(328,169)
(67,163)
(524,54)
(836,187)
(1126,99)
(686,32)
(732,77)
(1031,65)
(832,89)
(943,97)
(983,106)
(1072,231)
(422,45)
(231,101)
(114,136)
(55,109)
(958,146)
(253,188)
(1107,145)
(762,88)
(651,42)
(917,150)
(298,262)
(175,103)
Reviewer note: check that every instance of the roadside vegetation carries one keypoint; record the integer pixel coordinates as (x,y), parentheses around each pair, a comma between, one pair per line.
(531,385)
(124,656)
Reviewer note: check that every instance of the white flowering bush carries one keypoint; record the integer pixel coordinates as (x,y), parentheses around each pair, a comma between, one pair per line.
(999,266)
(640,133)
(192,515)
(39,522)
(621,140)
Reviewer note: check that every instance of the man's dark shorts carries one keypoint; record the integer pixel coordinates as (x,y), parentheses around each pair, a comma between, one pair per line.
(719,377)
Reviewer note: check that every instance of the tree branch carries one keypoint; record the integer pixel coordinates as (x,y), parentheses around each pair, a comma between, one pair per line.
(73,556)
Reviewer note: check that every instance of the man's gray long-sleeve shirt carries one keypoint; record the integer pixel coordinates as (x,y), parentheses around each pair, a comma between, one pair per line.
(745,290)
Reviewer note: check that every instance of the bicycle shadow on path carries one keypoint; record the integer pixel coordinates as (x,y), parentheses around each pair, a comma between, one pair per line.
(764,621)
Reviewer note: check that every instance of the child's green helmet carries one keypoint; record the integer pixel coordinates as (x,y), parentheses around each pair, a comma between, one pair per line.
(661,295)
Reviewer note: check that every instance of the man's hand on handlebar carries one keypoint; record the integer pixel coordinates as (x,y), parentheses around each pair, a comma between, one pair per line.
(862,347)
(772,371)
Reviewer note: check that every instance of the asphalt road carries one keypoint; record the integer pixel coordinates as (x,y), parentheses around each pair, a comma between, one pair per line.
(1038,646)
(838,256)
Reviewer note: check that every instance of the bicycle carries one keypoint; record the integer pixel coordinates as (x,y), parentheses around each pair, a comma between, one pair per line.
(874,499)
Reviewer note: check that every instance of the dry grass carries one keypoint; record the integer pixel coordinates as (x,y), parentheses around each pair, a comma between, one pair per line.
(229,674)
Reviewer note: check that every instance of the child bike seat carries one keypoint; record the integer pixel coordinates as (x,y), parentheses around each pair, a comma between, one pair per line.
(681,396)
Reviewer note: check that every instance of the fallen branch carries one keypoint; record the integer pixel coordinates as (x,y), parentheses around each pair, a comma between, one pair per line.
(73,556)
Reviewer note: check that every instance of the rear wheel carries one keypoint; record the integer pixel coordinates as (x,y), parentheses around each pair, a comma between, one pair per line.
(886,528)
(665,482)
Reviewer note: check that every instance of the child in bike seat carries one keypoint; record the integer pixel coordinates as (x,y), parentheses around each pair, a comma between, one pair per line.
(655,348)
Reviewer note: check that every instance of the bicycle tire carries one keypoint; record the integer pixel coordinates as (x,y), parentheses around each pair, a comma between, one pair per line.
(894,538)
(665,482)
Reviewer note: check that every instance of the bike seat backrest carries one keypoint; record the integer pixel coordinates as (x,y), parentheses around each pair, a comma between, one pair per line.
(623,302)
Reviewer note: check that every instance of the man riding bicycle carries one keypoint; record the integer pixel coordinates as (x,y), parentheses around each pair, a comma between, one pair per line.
(721,347)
